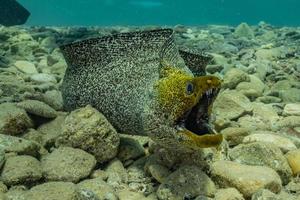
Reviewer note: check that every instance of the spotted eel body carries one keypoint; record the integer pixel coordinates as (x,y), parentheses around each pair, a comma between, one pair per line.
(118,75)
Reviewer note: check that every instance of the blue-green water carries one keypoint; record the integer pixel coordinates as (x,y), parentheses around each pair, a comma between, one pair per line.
(162,12)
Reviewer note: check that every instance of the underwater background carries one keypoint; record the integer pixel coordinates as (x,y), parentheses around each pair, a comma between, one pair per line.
(162,12)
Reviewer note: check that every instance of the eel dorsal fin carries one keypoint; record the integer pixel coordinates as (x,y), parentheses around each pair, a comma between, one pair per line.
(196,62)
(107,49)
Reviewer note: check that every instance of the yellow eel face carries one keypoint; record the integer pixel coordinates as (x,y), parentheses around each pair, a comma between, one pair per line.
(188,100)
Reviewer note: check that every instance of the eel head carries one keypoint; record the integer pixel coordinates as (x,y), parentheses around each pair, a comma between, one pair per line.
(187,101)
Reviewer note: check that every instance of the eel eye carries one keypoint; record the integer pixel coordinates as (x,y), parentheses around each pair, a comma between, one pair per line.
(189,88)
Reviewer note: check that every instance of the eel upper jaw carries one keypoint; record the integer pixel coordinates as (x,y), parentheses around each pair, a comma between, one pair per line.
(197,118)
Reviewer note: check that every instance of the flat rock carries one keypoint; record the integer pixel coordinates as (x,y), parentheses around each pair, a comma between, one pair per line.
(67,164)
(291,109)
(87,129)
(186,182)
(293,158)
(235,135)
(53,191)
(247,179)
(231,105)
(38,108)
(13,120)
(98,187)
(262,154)
(43,78)
(11,144)
(233,77)
(26,67)
(281,142)
(21,170)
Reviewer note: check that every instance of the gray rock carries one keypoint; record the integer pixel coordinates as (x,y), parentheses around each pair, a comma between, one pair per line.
(154,167)
(243,30)
(11,144)
(99,173)
(38,108)
(130,195)
(26,67)
(234,135)
(87,129)
(252,123)
(286,91)
(33,135)
(87,195)
(52,130)
(67,164)
(293,187)
(54,191)
(266,114)
(252,89)
(263,154)
(130,149)
(202,197)
(117,174)
(159,172)
(97,186)
(288,122)
(231,105)
(247,179)
(43,78)
(291,95)
(214,68)
(292,109)
(269,99)
(13,120)
(3,187)
(264,194)
(285,144)
(233,77)
(228,194)
(16,193)
(54,99)
(21,170)
(186,182)
(267,195)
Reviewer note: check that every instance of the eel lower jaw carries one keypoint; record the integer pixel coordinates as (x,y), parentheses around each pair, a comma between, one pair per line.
(195,123)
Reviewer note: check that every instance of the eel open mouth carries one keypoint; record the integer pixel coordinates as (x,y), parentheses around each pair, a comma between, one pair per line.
(197,118)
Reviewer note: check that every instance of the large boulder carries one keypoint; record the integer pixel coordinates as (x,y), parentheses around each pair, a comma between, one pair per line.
(67,164)
(87,129)
(263,154)
(247,179)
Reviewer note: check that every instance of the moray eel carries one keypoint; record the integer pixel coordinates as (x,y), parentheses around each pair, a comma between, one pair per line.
(144,85)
